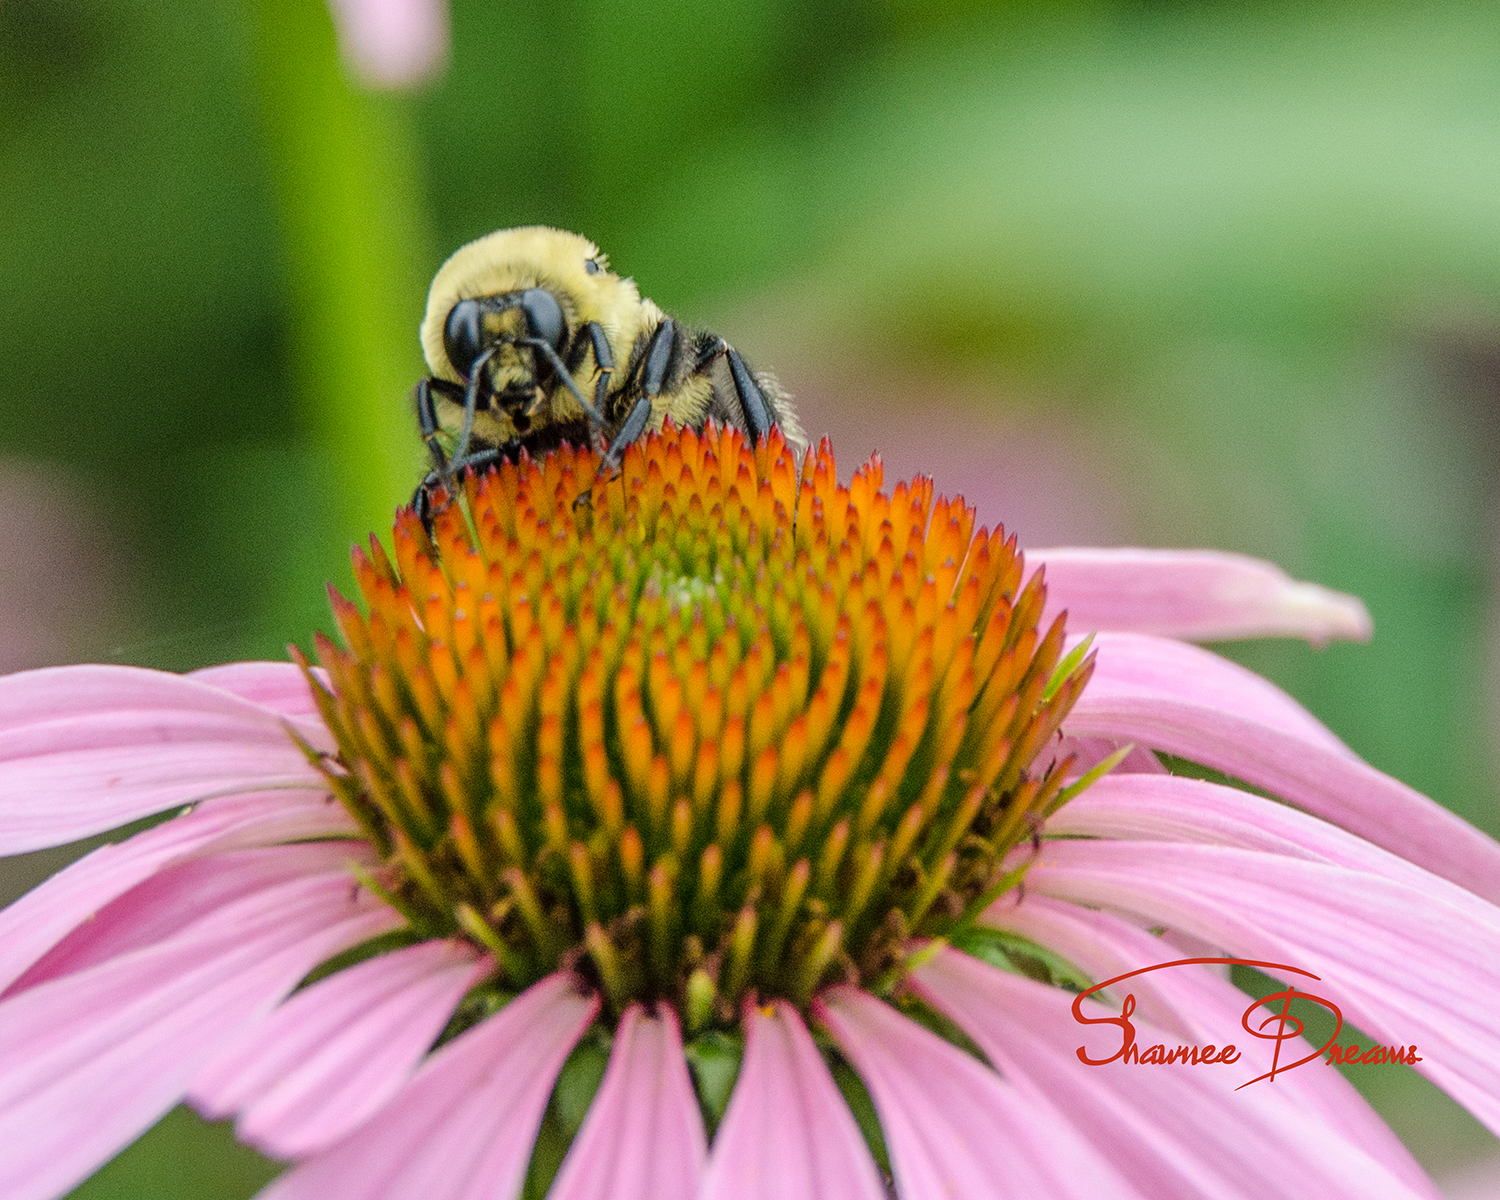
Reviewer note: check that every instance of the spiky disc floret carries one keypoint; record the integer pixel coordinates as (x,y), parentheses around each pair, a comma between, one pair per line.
(707,734)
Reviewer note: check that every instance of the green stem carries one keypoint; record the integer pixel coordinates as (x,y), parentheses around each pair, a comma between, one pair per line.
(357,255)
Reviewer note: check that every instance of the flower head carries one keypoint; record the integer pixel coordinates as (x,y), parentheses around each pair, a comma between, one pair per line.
(805,785)
(684,742)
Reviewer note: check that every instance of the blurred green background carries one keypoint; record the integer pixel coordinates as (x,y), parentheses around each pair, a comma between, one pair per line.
(1173,273)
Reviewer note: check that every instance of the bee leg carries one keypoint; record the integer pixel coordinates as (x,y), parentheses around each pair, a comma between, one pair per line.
(446,469)
(753,405)
(635,425)
(658,361)
(421,500)
(427,415)
(604,359)
(482,460)
(477,462)
(653,379)
(427,420)
(758,419)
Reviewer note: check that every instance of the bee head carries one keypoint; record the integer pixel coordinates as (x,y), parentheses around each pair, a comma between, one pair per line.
(474,325)
(505,331)
(494,294)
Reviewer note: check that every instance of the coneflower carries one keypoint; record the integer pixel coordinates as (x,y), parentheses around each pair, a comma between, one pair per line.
(729,833)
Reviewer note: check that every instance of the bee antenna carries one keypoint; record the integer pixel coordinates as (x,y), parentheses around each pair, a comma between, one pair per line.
(471,402)
(584,403)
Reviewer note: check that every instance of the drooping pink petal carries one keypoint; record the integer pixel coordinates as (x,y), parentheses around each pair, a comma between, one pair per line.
(787,1132)
(1136,663)
(175,899)
(1171,808)
(1198,595)
(279,686)
(1197,1005)
(952,1126)
(332,1055)
(1401,961)
(85,749)
(37,921)
(643,1137)
(393,43)
(91,1060)
(1178,1131)
(1199,713)
(463,1128)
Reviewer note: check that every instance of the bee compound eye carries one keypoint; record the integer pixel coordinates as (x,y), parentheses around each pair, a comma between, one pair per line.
(591,265)
(463,335)
(544,315)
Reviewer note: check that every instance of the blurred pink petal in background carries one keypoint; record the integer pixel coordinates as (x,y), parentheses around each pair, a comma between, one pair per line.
(393,43)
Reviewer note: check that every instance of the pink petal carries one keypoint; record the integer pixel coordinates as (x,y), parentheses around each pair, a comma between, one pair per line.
(1132,663)
(643,1137)
(1198,1005)
(278,686)
(1198,595)
(393,43)
(787,1132)
(86,749)
(38,920)
(1241,729)
(1402,962)
(174,899)
(1171,808)
(333,1054)
(952,1126)
(59,693)
(1175,1132)
(463,1128)
(91,1060)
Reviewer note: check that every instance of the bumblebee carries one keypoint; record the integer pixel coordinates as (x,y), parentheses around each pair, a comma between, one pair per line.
(532,340)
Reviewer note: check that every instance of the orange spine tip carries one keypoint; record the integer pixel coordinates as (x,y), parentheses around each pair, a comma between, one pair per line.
(792,756)
(596,780)
(705,772)
(762,783)
(763,847)
(444,676)
(633,863)
(791,695)
(762,723)
(732,749)
(682,828)
(832,781)
(799,817)
(466,842)
(657,792)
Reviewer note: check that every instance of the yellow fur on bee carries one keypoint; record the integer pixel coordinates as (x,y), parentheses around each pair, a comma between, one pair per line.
(512,260)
